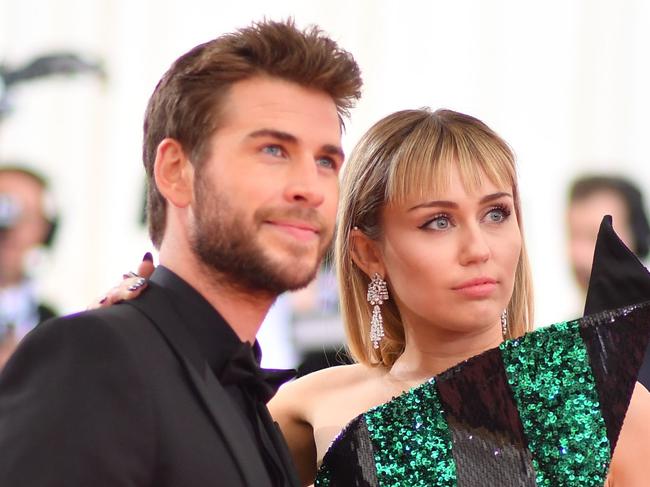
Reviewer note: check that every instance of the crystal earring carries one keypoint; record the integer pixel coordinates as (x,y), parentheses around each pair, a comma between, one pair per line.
(377,294)
(504,323)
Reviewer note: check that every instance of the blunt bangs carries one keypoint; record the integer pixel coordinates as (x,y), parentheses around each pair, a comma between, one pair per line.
(423,163)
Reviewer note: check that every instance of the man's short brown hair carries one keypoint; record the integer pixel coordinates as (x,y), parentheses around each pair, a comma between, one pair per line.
(185,104)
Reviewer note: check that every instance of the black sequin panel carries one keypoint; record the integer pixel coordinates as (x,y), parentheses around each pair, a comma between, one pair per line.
(489,445)
(350,461)
(616,353)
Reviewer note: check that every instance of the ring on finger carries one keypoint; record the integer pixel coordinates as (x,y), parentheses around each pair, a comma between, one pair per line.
(138,284)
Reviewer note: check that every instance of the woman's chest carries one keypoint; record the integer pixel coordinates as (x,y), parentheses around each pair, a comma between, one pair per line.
(337,409)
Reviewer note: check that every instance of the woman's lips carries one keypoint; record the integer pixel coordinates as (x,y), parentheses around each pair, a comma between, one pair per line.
(481,287)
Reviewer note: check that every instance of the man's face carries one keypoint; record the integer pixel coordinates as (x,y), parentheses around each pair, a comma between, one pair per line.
(583,218)
(265,197)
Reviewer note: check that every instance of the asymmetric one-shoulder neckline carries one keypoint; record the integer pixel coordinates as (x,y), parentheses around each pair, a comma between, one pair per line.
(543,409)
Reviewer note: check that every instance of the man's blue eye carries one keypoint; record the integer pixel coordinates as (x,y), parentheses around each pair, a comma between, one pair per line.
(326,162)
(273,150)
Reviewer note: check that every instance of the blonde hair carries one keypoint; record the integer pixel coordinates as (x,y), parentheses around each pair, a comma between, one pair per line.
(409,153)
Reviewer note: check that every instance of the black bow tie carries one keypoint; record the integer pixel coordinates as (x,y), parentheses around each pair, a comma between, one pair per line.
(243,369)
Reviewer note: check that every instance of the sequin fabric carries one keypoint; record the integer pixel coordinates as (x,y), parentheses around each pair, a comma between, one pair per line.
(409,440)
(489,445)
(412,440)
(552,383)
(527,413)
(614,356)
(352,461)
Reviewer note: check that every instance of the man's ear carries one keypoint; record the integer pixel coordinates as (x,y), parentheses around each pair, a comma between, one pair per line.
(174,173)
(366,254)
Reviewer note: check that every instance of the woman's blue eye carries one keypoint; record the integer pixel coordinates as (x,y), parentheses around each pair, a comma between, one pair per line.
(497,215)
(441,222)
(438,223)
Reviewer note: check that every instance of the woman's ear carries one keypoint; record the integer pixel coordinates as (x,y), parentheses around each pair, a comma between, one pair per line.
(174,173)
(366,253)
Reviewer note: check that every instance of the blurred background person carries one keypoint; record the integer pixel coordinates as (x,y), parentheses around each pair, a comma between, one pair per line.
(27,222)
(590,198)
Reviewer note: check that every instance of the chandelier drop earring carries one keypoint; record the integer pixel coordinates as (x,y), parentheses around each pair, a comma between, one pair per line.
(504,324)
(377,294)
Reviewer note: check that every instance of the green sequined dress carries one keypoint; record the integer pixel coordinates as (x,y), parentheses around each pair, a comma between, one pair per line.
(547,413)
(542,410)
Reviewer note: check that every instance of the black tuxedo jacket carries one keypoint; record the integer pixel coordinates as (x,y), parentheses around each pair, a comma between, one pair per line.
(121,396)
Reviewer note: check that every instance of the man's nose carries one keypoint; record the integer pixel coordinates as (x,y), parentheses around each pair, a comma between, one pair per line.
(304,185)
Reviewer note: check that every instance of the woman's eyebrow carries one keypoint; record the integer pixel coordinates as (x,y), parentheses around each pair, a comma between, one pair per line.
(452,205)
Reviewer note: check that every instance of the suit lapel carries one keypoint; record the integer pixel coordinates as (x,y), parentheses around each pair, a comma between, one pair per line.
(280,450)
(155,304)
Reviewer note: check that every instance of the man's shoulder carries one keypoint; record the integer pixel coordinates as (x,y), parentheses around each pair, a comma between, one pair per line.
(115,333)
(119,318)
(133,313)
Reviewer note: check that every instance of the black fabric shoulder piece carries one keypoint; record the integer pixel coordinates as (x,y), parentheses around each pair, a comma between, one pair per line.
(618,279)
(616,353)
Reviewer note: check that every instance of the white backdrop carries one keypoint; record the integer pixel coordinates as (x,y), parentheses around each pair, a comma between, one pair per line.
(565,82)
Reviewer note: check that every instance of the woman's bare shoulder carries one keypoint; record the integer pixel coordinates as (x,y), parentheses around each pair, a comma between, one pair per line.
(333,376)
(306,390)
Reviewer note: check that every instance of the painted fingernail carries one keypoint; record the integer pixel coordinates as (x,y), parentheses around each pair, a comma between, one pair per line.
(103,300)
(147,257)
(132,288)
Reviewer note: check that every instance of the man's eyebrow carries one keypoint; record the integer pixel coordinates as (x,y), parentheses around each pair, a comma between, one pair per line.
(330,149)
(451,204)
(276,134)
(334,150)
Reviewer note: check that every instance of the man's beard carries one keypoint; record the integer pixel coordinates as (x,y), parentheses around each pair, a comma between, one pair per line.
(222,240)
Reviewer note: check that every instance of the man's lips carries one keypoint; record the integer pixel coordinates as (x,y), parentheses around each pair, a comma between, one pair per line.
(480,287)
(300,229)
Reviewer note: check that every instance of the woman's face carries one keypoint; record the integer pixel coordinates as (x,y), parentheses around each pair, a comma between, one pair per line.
(450,258)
